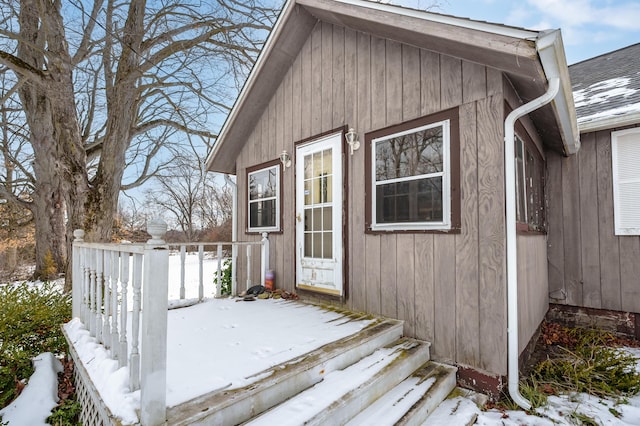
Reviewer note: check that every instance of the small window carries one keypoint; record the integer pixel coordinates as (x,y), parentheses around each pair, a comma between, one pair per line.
(264,199)
(411,175)
(625,156)
(529,186)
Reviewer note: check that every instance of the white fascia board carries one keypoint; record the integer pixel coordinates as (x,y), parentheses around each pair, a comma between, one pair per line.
(554,63)
(446,19)
(609,122)
(255,70)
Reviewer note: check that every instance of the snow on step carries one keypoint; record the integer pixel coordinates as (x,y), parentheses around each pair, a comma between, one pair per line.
(413,400)
(337,388)
(392,406)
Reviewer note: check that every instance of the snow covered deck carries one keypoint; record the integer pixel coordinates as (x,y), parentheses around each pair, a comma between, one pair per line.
(224,361)
(220,344)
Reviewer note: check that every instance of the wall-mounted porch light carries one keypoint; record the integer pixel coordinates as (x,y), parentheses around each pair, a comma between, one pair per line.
(352,139)
(285,159)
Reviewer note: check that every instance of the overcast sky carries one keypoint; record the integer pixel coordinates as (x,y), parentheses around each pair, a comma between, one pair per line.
(589,27)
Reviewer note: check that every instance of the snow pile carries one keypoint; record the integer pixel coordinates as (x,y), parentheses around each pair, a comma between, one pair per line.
(111,380)
(39,397)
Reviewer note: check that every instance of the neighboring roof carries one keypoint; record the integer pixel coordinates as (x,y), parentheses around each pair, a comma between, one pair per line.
(529,58)
(606,89)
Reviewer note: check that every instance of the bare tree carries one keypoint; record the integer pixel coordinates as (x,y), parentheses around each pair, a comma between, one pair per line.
(191,198)
(178,192)
(105,89)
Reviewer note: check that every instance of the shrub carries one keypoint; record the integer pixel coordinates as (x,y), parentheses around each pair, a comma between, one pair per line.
(30,321)
(67,413)
(225,290)
(589,365)
(49,269)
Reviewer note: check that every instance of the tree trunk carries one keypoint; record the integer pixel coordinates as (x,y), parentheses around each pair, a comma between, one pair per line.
(122,105)
(60,159)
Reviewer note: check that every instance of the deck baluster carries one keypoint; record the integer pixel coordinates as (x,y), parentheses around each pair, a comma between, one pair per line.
(115,338)
(200,272)
(106,331)
(248,267)
(134,363)
(264,257)
(92,271)
(124,284)
(183,250)
(219,275)
(86,283)
(99,292)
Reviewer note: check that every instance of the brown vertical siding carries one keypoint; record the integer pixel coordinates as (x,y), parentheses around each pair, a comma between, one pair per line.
(449,289)
(533,301)
(588,264)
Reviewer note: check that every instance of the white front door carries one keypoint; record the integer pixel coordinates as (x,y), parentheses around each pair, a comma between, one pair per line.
(319,215)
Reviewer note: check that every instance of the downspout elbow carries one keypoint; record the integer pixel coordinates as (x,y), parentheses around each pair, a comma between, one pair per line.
(510,224)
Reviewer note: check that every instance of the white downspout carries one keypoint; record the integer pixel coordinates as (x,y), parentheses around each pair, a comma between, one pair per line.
(234,232)
(512,251)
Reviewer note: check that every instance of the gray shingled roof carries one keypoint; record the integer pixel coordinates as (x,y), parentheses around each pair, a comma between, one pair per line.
(607,86)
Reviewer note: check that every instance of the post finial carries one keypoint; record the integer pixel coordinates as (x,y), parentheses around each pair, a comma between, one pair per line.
(157,228)
(78,235)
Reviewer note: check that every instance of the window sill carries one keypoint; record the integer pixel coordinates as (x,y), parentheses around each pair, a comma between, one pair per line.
(389,231)
(260,231)
(526,229)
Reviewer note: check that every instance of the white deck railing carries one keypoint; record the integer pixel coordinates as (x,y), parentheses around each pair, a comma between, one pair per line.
(120,294)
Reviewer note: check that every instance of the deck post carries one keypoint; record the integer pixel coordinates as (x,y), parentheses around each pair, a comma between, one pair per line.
(77,276)
(153,369)
(264,258)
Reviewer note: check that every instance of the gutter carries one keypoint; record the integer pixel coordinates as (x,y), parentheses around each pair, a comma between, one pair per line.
(510,223)
(554,63)
(234,232)
(621,120)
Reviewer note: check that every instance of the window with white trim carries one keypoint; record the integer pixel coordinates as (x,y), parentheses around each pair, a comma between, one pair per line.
(264,199)
(410,175)
(625,156)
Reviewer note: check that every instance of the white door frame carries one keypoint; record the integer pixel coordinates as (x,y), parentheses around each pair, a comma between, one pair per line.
(319,198)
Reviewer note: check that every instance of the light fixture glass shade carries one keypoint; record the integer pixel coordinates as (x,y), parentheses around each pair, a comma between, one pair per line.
(352,139)
(285,159)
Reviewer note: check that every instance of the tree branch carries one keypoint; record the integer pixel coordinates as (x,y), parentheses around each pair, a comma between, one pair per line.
(149,125)
(22,68)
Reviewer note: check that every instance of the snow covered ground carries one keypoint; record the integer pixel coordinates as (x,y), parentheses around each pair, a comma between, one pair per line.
(37,400)
(251,337)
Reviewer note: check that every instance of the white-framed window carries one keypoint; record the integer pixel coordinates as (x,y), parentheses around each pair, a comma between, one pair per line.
(263,199)
(411,179)
(625,158)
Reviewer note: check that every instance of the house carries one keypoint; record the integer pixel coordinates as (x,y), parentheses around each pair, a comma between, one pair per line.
(594,198)
(369,142)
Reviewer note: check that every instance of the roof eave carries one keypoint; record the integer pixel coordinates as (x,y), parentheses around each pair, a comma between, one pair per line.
(214,163)
(551,52)
(488,27)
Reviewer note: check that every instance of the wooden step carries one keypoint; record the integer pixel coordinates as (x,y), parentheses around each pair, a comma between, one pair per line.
(413,400)
(345,393)
(230,407)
